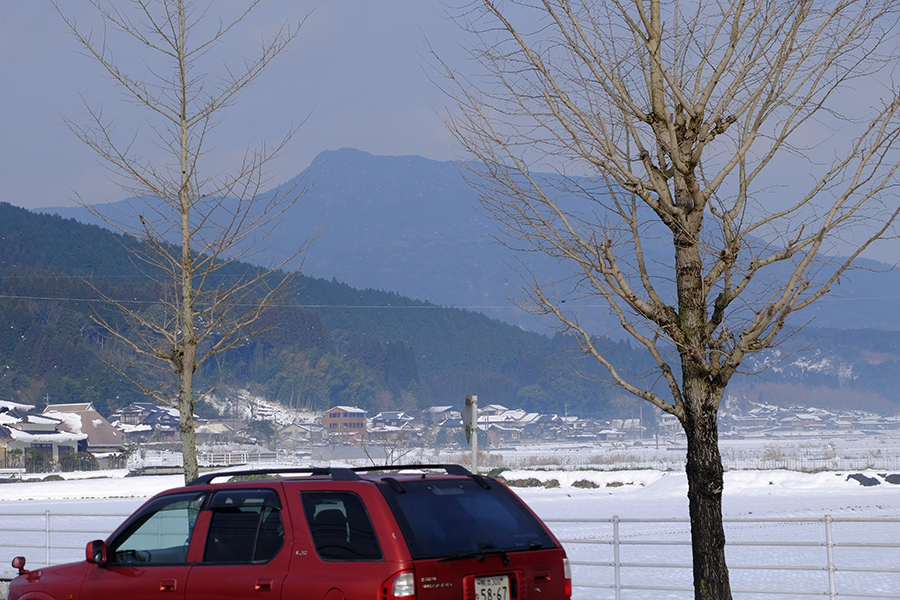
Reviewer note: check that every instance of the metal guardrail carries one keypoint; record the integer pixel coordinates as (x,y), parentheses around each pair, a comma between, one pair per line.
(60,537)
(614,558)
(635,559)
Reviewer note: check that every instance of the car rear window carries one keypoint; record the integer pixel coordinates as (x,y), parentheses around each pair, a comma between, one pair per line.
(443,518)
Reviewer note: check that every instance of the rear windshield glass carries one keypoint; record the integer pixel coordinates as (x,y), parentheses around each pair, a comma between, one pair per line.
(446,518)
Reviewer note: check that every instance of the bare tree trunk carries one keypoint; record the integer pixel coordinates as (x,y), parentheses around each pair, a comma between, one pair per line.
(705,474)
(188,334)
(705,484)
(186,429)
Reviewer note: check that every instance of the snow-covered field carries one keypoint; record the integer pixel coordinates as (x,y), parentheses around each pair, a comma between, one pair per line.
(582,515)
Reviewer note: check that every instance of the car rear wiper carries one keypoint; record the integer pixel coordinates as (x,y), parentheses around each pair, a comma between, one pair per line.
(480,555)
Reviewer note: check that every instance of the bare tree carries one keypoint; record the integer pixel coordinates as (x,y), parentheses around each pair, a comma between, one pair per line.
(195,224)
(733,133)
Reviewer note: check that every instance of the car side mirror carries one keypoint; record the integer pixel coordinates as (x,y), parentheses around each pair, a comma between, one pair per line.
(96,552)
(19,563)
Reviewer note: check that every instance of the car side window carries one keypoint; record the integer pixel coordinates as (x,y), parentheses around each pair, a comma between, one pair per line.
(161,533)
(340,526)
(245,527)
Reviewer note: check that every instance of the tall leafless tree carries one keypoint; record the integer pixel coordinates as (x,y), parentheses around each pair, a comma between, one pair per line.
(750,137)
(196,223)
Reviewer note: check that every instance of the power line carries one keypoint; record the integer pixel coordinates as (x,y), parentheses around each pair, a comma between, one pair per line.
(283,305)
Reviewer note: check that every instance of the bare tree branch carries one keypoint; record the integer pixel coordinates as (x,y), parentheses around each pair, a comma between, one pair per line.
(669,124)
(196,225)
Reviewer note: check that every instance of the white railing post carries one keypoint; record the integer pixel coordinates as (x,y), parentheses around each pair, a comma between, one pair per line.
(829,544)
(47,538)
(617,562)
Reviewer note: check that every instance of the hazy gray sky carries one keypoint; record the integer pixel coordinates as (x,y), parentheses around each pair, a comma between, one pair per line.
(358,74)
(357,71)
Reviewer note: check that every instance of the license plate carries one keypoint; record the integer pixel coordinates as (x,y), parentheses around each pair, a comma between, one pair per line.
(492,588)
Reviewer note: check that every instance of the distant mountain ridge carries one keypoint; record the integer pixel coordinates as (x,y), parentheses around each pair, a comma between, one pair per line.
(413,226)
(406,224)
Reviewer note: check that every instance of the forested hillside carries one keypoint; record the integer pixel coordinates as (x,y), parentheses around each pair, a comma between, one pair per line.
(334,344)
(331,344)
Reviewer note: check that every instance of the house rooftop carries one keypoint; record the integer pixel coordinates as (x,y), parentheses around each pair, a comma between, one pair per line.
(350,409)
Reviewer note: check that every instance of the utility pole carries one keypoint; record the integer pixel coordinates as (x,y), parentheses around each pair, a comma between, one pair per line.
(470,422)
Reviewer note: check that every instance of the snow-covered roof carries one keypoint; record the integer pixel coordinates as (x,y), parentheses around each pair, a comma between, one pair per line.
(128,428)
(496,427)
(87,421)
(393,414)
(208,430)
(10,405)
(75,407)
(71,421)
(8,419)
(350,409)
(42,420)
(58,437)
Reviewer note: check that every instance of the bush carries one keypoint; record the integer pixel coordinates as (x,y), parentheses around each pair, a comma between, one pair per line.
(529,482)
(585,484)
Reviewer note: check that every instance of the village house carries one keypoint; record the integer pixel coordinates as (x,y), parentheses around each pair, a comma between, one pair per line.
(396,419)
(302,434)
(102,438)
(611,435)
(134,413)
(220,430)
(499,434)
(439,414)
(142,421)
(39,440)
(633,428)
(348,422)
(668,424)
(802,421)
(492,410)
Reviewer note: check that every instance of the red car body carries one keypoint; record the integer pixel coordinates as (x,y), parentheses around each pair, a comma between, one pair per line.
(330,534)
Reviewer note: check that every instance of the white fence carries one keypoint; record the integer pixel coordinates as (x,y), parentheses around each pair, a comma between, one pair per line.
(632,559)
(615,559)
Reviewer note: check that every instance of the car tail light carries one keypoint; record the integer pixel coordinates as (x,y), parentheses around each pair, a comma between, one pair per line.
(567,584)
(401,585)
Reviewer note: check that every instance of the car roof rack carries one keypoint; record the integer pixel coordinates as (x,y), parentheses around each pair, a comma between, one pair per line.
(450,469)
(336,473)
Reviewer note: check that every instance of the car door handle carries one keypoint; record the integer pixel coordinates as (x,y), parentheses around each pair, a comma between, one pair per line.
(168,585)
(264,585)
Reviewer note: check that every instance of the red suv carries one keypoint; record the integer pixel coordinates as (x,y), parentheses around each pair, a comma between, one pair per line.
(422,532)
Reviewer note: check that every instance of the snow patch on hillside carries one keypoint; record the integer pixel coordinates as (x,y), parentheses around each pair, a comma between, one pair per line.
(246,406)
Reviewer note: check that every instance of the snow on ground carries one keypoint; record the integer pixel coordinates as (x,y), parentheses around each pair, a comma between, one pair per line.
(656,494)
(88,485)
(664,493)
(645,494)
